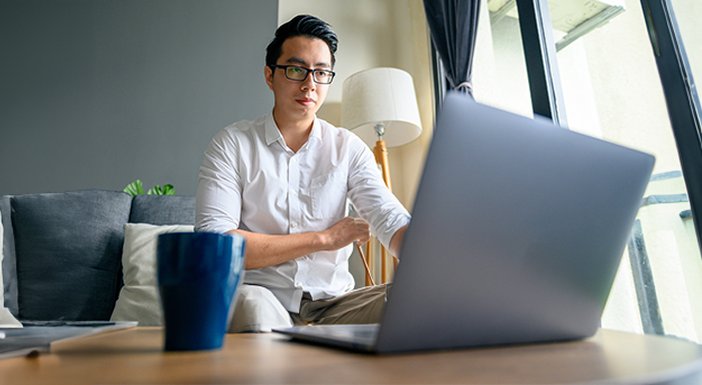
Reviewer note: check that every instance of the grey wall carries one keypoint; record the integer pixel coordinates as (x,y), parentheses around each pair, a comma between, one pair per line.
(97,93)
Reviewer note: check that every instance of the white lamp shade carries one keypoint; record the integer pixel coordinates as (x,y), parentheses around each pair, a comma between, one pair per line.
(381,95)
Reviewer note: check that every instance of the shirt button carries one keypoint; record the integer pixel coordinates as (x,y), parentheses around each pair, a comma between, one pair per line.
(294,225)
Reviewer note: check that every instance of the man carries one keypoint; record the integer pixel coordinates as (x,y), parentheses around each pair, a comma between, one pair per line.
(282,182)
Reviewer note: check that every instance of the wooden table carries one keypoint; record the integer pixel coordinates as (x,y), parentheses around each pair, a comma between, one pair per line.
(134,357)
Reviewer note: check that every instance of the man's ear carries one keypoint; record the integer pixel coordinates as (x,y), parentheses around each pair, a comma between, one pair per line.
(268,74)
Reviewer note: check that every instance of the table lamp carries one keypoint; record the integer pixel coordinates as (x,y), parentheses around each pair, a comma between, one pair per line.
(379,105)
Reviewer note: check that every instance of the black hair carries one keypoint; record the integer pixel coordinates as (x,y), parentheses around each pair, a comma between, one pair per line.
(301,25)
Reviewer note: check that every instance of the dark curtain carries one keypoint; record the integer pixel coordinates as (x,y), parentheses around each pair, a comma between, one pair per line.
(454,26)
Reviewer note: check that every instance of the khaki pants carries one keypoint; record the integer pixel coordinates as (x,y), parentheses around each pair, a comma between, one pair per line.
(361,306)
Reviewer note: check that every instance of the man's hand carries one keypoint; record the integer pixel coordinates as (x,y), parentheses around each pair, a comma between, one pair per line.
(346,231)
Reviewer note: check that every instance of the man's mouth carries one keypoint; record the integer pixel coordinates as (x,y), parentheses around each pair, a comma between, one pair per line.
(305,101)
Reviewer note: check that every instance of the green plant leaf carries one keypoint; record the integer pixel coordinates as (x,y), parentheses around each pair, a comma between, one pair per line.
(166,189)
(135,188)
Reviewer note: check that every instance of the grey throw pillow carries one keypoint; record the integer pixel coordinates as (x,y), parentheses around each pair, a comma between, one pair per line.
(163,209)
(68,248)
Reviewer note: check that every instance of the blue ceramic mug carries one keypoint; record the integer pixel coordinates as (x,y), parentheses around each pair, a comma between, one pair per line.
(198,274)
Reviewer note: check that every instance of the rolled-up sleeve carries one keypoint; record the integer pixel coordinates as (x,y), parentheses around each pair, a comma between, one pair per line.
(373,201)
(218,202)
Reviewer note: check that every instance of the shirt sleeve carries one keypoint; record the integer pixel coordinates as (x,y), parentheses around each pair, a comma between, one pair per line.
(218,201)
(373,201)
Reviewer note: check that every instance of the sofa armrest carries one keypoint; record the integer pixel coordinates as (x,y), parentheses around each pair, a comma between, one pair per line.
(9,263)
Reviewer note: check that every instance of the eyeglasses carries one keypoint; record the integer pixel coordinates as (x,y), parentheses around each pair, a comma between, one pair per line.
(299,74)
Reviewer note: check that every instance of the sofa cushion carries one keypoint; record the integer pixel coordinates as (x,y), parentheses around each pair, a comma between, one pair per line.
(163,210)
(68,247)
(139,299)
(9,268)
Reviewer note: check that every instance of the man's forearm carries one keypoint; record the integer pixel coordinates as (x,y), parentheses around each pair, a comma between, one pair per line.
(263,250)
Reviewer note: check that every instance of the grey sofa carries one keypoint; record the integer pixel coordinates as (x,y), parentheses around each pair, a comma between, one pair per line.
(62,251)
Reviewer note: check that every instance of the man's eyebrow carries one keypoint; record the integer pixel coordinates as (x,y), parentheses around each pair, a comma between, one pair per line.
(297,60)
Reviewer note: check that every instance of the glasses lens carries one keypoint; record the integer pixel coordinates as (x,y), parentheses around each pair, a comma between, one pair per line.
(295,73)
(322,76)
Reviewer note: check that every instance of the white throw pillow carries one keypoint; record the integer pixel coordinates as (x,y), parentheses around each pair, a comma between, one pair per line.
(7,320)
(256,308)
(139,299)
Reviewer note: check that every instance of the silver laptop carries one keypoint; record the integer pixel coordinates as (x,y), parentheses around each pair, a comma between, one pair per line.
(516,235)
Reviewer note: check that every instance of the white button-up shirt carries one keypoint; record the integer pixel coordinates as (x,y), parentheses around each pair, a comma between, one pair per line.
(251,180)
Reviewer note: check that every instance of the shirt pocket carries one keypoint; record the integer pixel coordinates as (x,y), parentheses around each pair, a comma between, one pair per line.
(328,193)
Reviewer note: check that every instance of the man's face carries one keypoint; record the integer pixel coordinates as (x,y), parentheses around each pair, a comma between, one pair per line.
(299,100)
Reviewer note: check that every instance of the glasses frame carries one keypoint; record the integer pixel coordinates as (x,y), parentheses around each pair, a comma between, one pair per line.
(307,73)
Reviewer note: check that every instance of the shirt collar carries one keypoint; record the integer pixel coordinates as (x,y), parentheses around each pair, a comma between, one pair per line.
(273,132)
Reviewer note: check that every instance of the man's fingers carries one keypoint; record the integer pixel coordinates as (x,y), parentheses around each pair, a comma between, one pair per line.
(364,231)
(353,230)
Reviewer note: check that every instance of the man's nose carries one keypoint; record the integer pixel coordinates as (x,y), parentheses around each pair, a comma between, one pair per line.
(308,83)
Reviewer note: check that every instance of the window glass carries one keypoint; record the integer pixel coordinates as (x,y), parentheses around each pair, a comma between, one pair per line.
(688,14)
(499,69)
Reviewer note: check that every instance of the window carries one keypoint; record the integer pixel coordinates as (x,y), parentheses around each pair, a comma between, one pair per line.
(611,89)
